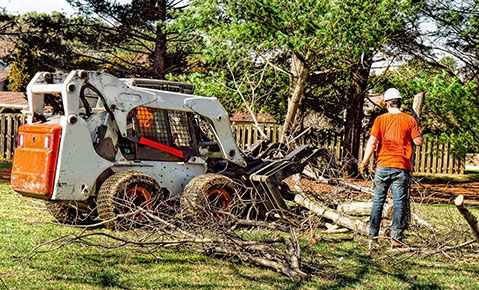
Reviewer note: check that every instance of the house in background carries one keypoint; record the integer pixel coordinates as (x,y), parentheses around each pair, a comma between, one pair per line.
(12,102)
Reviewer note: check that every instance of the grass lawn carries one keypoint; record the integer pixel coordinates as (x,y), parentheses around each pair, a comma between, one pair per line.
(24,223)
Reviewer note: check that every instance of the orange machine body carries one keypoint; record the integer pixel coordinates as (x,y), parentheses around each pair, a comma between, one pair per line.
(35,159)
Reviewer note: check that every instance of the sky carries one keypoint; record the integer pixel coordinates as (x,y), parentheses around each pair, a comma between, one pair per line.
(42,6)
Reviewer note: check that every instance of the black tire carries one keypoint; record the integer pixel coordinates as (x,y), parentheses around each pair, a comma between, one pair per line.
(71,213)
(124,193)
(208,196)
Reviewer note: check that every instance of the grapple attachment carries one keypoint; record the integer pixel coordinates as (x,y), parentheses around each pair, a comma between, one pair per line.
(268,179)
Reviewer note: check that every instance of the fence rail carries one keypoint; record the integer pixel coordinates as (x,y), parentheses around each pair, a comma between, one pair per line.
(432,157)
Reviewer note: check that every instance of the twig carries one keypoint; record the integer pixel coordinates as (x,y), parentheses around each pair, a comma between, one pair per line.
(283,268)
(428,252)
(267,225)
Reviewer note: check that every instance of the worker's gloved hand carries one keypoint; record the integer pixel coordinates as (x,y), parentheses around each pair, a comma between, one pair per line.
(362,170)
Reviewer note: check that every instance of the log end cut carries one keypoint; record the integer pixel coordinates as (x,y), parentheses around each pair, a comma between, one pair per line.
(459,200)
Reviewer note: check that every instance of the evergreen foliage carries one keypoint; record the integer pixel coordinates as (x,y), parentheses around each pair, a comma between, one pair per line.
(23,69)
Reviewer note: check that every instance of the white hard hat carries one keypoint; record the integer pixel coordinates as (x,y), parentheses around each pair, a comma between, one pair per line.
(391,93)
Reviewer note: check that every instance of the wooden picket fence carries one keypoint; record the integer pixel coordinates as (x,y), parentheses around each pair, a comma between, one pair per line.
(9,124)
(246,133)
(430,158)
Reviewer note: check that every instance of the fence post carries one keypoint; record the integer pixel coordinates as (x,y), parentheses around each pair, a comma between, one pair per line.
(3,136)
(9,137)
(16,124)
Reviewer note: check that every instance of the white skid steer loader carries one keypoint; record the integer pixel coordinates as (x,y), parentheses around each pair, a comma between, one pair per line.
(98,146)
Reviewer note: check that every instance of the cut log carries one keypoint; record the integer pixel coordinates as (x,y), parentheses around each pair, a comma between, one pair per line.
(418,101)
(331,214)
(470,218)
(336,231)
(417,109)
(364,209)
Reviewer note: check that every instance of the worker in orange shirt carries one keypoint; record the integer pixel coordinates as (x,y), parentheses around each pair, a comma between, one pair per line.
(394,132)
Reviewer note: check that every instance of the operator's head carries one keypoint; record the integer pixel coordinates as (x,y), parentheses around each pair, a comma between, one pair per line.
(392,97)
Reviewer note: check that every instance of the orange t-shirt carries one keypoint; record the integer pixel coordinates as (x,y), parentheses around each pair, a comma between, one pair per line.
(395,132)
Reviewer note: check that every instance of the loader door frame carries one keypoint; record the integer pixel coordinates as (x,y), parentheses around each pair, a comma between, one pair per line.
(156,134)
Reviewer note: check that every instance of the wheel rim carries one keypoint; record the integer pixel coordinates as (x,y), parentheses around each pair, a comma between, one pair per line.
(137,196)
(219,199)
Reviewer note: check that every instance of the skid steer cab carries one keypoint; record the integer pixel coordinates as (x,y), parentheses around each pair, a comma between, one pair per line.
(98,146)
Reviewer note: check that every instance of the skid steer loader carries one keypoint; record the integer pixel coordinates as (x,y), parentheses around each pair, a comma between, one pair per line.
(98,146)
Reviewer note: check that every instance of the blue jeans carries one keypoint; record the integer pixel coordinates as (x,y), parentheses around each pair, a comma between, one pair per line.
(398,180)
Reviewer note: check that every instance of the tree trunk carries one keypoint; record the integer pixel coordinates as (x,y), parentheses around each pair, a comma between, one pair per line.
(471,219)
(417,105)
(300,72)
(159,53)
(354,114)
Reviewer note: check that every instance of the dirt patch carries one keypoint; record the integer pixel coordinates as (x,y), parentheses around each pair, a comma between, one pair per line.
(445,192)
(426,191)
(5,173)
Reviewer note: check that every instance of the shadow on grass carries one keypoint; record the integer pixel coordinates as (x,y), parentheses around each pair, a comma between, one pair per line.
(362,271)
(268,279)
(352,275)
(177,270)
(180,269)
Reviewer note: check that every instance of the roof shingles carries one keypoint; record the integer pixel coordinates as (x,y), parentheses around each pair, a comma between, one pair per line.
(246,117)
(13,99)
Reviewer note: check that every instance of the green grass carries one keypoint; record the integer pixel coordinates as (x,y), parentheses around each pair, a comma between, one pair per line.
(24,223)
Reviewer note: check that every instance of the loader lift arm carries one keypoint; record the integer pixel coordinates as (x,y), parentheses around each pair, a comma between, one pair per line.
(119,99)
